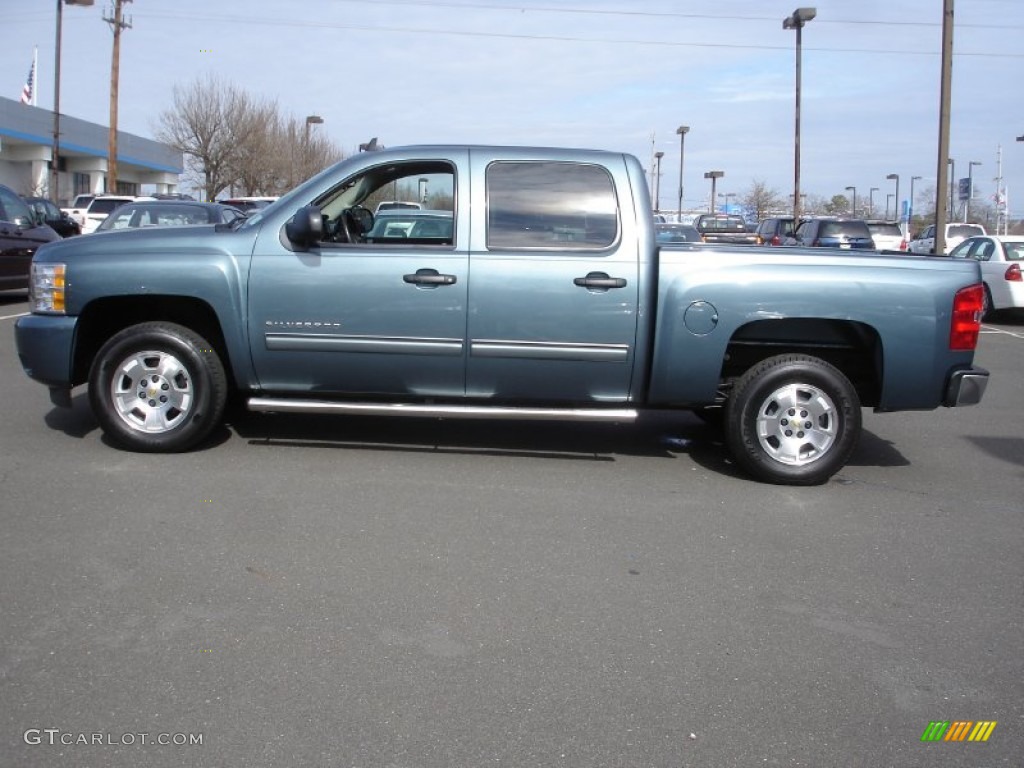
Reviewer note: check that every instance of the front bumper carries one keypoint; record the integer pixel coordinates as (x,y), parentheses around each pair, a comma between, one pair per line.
(45,348)
(965,387)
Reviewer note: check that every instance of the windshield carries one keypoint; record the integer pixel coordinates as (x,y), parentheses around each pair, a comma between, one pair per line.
(964,230)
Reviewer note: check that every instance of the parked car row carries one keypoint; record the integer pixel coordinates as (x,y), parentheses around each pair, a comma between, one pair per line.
(26,223)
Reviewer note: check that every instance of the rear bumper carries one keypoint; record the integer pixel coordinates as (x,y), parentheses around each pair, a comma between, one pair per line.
(965,387)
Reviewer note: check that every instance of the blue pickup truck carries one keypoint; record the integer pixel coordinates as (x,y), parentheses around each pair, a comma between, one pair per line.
(528,286)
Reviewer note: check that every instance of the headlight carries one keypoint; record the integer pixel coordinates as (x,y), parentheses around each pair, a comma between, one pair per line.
(46,288)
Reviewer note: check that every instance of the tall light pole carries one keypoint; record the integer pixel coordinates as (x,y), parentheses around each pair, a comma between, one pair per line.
(682,130)
(910,207)
(725,196)
(796,21)
(952,183)
(312,120)
(853,208)
(657,180)
(871,202)
(714,176)
(896,210)
(55,152)
(888,196)
(970,189)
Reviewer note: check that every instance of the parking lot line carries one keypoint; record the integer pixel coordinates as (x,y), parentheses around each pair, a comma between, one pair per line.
(11,317)
(990,329)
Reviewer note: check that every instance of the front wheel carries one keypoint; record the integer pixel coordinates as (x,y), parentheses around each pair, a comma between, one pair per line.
(157,388)
(793,420)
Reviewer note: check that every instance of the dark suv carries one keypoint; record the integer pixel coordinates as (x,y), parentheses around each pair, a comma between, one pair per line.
(833,233)
(775,231)
(20,236)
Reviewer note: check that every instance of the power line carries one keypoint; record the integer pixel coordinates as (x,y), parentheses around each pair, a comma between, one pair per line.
(276,22)
(664,14)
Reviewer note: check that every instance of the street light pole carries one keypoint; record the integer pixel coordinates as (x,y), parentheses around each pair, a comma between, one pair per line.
(682,130)
(871,202)
(910,207)
(657,180)
(714,176)
(796,21)
(55,152)
(970,189)
(952,182)
(853,208)
(896,210)
(312,120)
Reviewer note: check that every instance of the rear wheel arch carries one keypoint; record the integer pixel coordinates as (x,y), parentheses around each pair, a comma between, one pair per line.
(854,348)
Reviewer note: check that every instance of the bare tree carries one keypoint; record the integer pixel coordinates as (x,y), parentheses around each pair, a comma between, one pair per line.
(761,200)
(231,139)
(200,126)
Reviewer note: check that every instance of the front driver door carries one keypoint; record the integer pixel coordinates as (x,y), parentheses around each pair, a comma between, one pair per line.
(367,318)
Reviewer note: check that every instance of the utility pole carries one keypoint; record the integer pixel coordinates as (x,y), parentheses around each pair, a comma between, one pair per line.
(945,87)
(117,23)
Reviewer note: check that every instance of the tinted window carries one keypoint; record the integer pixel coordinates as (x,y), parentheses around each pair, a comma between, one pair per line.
(844,228)
(105,206)
(1014,251)
(722,224)
(963,230)
(550,205)
(676,233)
(13,208)
(885,229)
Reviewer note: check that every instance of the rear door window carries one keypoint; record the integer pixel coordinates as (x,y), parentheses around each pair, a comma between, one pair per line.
(550,204)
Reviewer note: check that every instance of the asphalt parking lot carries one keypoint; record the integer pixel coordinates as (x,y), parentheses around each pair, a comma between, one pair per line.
(365,592)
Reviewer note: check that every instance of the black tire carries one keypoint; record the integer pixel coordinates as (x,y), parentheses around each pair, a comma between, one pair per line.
(793,420)
(987,310)
(157,388)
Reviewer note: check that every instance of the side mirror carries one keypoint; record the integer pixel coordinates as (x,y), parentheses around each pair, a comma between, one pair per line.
(306,228)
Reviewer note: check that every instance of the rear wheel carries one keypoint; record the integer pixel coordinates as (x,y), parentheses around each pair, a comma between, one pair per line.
(157,387)
(793,419)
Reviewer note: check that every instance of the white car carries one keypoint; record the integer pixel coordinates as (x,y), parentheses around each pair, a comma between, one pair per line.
(1000,259)
(887,235)
(100,208)
(956,233)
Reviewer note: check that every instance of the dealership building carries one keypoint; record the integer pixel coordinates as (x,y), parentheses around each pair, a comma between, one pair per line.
(26,152)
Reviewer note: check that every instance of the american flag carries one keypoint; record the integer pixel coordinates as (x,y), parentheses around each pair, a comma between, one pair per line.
(26,92)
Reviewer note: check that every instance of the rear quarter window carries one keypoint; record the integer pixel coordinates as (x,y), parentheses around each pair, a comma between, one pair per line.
(844,228)
(557,205)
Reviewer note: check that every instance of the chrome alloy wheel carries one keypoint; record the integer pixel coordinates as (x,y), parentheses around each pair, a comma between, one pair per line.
(152,391)
(797,424)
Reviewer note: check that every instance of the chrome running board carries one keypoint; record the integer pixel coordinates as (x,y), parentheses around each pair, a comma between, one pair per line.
(447,411)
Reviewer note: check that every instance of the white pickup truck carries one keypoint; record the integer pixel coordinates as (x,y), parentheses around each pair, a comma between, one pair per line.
(90,210)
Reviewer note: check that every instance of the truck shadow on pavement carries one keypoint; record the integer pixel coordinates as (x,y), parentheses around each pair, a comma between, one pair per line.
(656,434)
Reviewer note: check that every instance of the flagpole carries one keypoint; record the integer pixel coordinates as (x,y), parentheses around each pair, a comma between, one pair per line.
(35,76)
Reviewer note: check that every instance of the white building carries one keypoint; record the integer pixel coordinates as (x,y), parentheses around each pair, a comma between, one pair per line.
(26,149)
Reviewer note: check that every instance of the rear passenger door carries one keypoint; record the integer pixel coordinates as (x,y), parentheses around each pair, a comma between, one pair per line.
(554,281)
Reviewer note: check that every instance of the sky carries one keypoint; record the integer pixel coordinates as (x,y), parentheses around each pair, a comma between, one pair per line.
(585,73)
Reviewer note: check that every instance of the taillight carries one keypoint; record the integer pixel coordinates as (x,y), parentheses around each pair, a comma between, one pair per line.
(968,307)
(903,245)
(776,240)
(1013,273)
